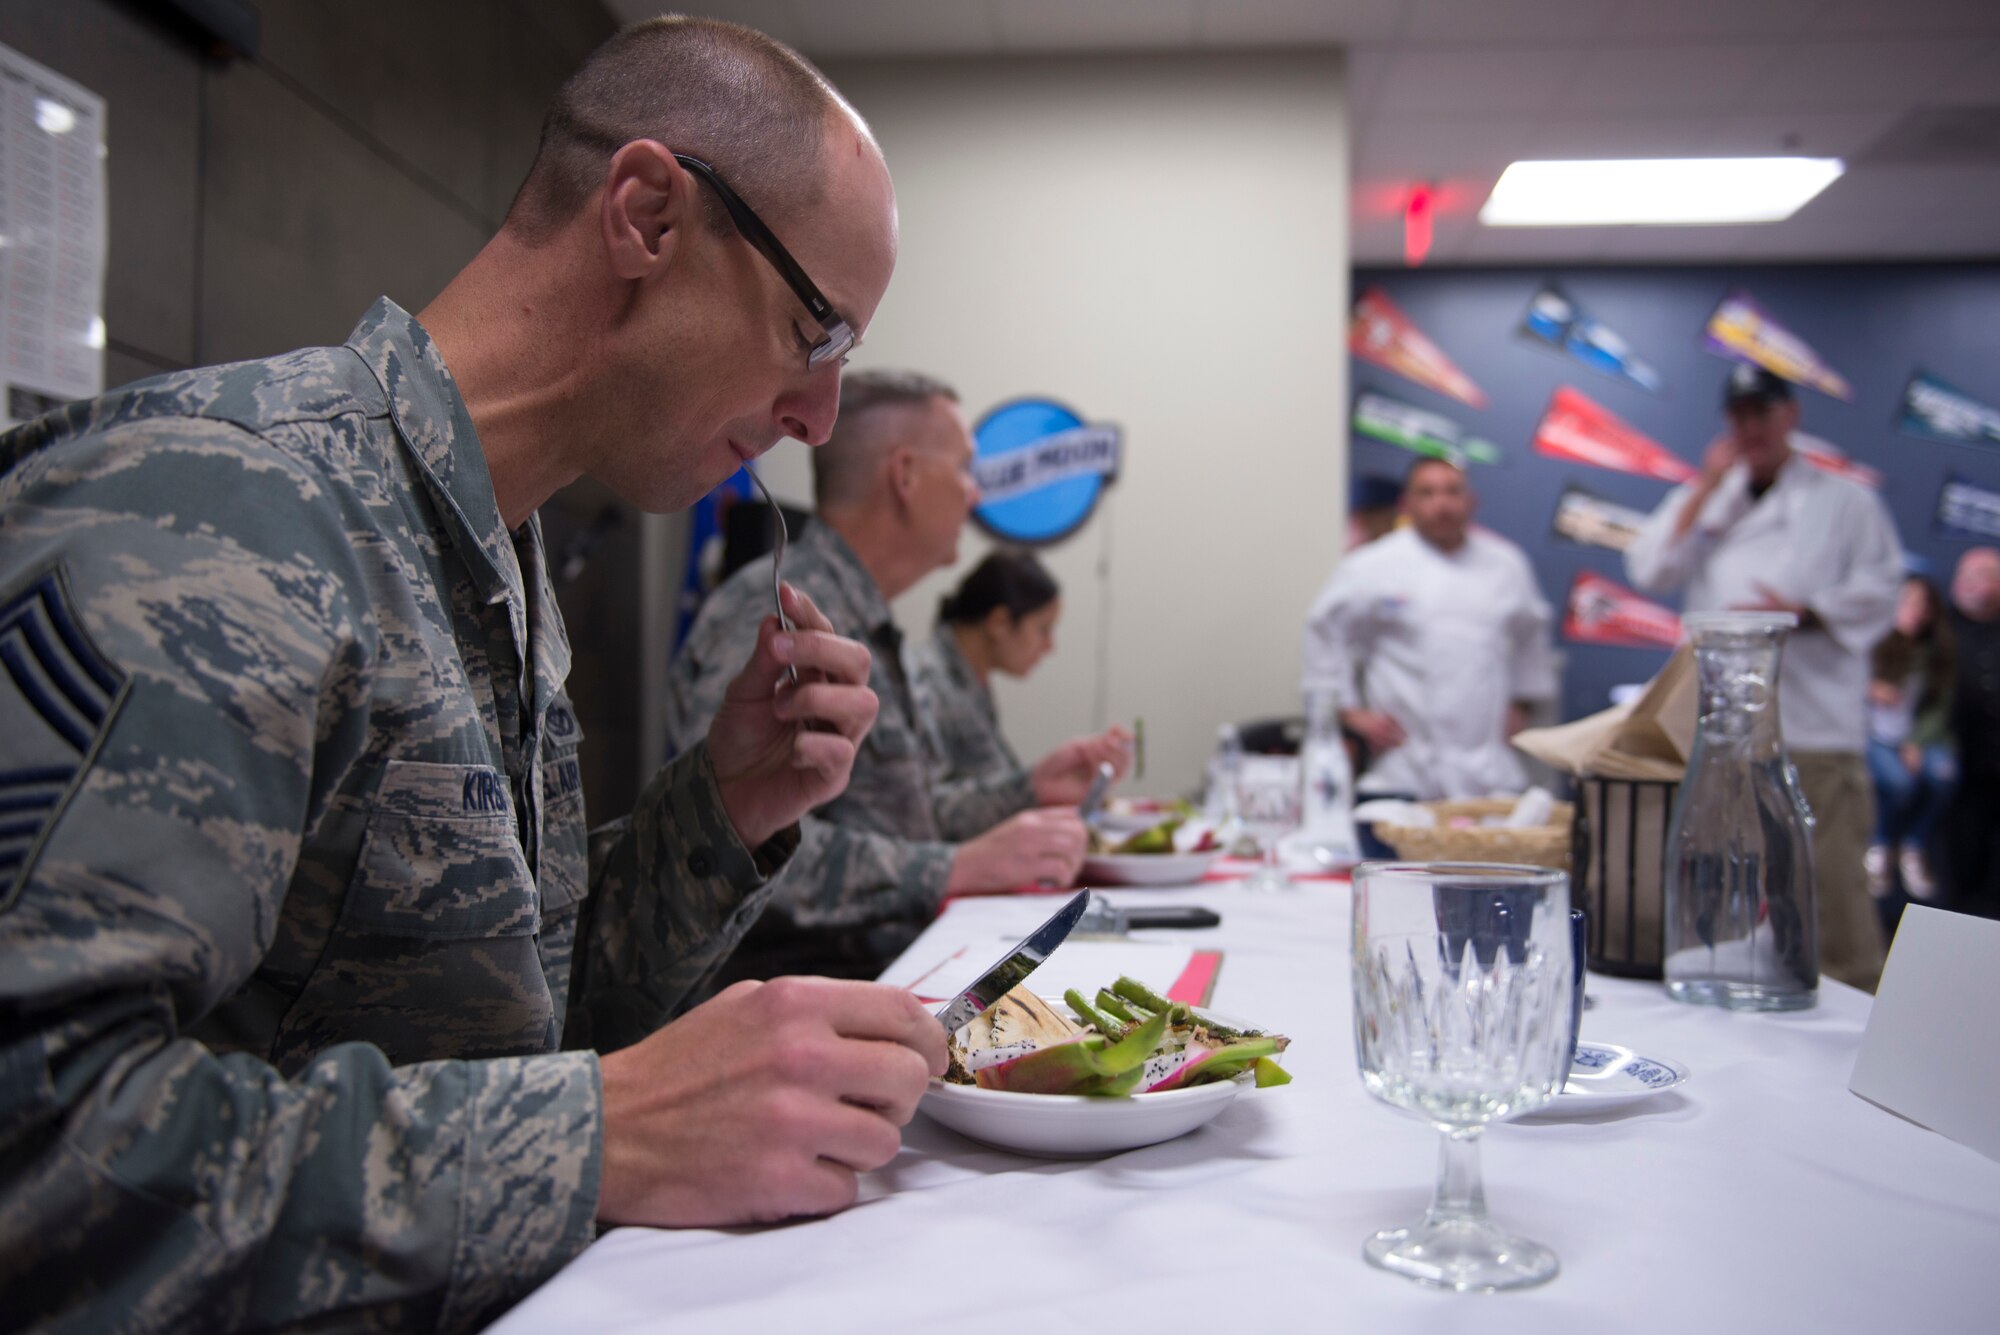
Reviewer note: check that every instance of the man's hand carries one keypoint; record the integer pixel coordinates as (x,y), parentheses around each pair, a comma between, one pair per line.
(1043,846)
(1064,775)
(780,750)
(1913,757)
(763,1103)
(1716,461)
(1770,600)
(1382,733)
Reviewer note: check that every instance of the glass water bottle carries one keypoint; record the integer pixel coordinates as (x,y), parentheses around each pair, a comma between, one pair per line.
(1741,919)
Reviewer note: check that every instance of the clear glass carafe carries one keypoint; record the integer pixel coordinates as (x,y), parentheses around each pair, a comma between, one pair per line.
(1741,919)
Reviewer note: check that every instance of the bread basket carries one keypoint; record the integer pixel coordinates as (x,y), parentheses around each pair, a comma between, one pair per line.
(1532,845)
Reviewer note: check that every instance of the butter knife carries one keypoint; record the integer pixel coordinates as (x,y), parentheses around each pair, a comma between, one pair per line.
(1013,967)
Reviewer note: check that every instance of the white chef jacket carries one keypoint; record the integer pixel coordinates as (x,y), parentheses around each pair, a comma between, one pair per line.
(1442,642)
(1813,538)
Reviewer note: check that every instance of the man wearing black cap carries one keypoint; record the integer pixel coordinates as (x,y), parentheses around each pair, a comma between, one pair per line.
(1763,529)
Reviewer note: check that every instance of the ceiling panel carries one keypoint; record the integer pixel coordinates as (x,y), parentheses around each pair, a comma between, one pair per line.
(1508,21)
(1662,78)
(1430,83)
(1093,25)
(1811,133)
(1854,75)
(894,28)
(1441,147)
(1285,22)
(1906,18)
(1660,135)
(1689,20)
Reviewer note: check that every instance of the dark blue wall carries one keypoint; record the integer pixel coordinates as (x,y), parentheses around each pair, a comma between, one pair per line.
(1872,324)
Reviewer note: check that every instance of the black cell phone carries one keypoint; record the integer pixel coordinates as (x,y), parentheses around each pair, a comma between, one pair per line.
(1172,917)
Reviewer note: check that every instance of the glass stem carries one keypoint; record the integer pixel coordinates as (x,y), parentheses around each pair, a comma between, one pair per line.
(1461,1193)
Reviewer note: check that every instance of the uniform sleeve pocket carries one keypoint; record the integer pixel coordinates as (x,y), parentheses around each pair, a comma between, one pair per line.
(441,858)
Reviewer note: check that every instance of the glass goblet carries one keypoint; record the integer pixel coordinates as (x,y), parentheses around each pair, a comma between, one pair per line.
(1462,1000)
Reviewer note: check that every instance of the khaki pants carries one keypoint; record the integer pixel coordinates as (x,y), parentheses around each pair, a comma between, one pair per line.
(1836,785)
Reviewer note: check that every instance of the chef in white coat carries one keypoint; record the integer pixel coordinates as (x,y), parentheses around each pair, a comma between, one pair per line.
(1762,528)
(1434,640)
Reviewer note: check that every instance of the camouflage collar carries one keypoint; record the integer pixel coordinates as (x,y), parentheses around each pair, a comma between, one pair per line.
(821,545)
(433,423)
(952,658)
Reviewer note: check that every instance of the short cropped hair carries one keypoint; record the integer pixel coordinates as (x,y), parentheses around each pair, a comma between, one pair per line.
(1424,461)
(870,403)
(747,105)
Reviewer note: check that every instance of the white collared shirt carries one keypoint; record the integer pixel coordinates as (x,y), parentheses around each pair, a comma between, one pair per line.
(1813,538)
(1441,641)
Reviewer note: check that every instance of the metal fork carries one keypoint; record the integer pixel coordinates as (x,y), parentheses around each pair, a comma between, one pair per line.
(777,562)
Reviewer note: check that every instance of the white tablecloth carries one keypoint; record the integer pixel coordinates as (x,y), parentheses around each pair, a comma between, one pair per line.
(1762,1197)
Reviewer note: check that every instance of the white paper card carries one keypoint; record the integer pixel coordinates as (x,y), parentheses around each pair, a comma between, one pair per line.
(1931,1052)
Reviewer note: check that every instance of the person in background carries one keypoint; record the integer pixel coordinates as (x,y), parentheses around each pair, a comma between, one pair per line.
(1372,510)
(1002,618)
(892,489)
(321,1006)
(1762,529)
(1434,641)
(1911,756)
(1972,827)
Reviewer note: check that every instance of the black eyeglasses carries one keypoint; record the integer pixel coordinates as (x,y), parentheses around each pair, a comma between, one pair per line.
(837,338)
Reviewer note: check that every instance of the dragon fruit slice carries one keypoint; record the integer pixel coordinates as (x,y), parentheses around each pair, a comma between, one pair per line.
(1197,1065)
(1084,1064)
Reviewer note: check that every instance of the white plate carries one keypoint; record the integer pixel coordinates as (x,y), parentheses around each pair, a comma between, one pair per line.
(1604,1075)
(1074,1126)
(1067,1126)
(1146,868)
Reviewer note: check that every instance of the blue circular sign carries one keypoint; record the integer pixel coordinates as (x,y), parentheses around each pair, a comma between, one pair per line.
(1041,468)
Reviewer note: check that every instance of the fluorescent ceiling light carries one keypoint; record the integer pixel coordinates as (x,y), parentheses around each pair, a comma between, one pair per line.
(1671,192)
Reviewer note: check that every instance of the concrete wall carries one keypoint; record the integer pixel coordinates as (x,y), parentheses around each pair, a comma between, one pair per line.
(371,148)
(1159,242)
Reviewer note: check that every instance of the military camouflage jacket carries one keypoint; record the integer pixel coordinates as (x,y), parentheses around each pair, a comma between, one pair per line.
(296,909)
(872,864)
(958,709)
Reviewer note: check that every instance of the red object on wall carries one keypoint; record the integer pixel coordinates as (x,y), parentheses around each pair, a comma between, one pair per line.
(1603,611)
(1417,224)
(1576,428)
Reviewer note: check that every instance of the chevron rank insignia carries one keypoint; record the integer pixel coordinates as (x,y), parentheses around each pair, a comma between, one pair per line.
(58,694)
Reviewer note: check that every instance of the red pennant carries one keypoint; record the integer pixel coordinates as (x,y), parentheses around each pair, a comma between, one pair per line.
(1382,334)
(1603,611)
(1578,429)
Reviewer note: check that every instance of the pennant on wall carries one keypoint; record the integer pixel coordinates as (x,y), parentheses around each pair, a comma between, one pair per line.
(1556,320)
(1382,334)
(1603,611)
(1588,519)
(1419,430)
(1934,409)
(1824,456)
(1968,512)
(1575,428)
(1742,329)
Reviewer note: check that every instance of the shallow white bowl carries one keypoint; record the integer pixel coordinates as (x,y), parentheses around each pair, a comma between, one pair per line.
(1074,1126)
(1069,1126)
(1146,868)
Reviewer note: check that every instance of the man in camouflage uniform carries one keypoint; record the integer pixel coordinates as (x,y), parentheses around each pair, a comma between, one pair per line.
(892,490)
(304,948)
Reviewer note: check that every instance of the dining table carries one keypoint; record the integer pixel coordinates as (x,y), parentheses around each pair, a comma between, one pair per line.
(1759,1195)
